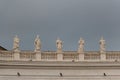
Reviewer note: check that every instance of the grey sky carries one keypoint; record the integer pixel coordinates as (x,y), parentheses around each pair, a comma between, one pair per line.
(67,19)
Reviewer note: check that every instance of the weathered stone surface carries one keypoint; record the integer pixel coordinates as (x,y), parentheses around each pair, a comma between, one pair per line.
(51,70)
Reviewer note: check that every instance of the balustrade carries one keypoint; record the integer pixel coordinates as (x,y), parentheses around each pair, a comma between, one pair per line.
(70,56)
(6,55)
(66,56)
(92,56)
(49,56)
(27,55)
(113,55)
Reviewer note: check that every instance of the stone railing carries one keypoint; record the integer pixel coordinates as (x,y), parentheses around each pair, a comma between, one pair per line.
(6,55)
(63,56)
(113,55)
(92,55)
(69,55)
(27,55)
(49,56)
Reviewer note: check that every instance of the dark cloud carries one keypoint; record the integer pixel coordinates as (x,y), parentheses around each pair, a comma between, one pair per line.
(67,19)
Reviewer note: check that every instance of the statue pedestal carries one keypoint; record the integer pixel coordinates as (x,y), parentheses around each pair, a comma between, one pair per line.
(59,55)
(81,56)
(38,55)
(16,55)
(103,56)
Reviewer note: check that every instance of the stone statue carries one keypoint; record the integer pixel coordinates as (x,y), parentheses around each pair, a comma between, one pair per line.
(81,45)
(37,43)
(102,44)
(59,44)
(16,43)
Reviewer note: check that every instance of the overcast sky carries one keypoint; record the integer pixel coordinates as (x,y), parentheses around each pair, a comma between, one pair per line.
(67,19)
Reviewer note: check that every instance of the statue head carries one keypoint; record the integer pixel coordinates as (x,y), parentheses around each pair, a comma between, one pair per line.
(102,41)
(37,36)
(81,41)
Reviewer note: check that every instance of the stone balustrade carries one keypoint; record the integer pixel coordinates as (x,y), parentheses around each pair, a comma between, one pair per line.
(92,55)
(49,56)
(6,55)
(70,55)
(63,56)
(27,55)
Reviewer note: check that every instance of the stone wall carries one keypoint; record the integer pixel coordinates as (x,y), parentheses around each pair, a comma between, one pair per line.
(53,71)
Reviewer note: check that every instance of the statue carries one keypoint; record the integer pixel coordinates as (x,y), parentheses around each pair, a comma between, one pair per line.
(16,43)
(59,44)
(37,43)
(102,45)
(81,45)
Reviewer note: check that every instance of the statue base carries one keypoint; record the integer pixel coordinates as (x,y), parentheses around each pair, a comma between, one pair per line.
(16,54)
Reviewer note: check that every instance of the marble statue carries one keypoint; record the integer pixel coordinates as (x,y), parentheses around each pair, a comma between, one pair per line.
(102,45)
(37,43)
(59,44)
(81,45)
(16,43)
